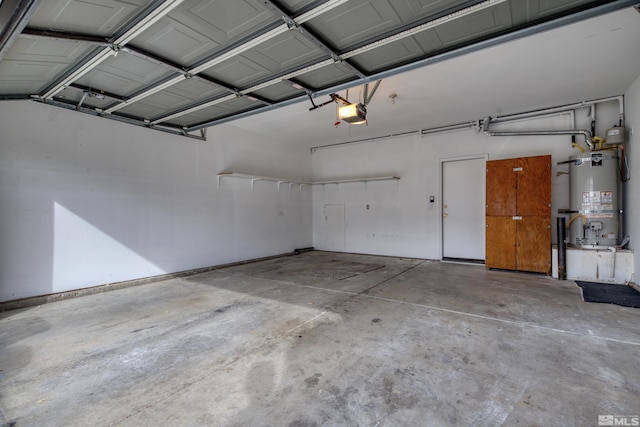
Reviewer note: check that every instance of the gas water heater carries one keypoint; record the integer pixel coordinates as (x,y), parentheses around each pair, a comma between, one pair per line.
(595,201)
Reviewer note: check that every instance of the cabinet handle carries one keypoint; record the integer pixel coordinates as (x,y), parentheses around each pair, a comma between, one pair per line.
(516,218)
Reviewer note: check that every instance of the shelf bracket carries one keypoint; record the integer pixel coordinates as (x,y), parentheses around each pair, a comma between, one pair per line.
(281,181)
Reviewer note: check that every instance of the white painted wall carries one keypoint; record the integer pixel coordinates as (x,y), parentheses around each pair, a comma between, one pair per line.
(632,121)
(87,201)
(401,221)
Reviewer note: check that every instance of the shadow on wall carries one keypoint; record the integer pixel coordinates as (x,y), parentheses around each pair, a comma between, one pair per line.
(92,232)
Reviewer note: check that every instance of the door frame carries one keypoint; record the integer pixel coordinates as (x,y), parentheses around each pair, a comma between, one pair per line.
(442,161)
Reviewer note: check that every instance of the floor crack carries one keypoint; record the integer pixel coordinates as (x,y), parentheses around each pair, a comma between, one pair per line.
(391,278)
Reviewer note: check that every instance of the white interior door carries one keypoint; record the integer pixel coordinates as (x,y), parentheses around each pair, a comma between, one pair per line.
(334,228)
(463,209)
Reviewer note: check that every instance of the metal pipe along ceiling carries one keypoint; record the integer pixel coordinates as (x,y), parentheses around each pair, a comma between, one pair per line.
(586,133)
(574,106)
(484,124)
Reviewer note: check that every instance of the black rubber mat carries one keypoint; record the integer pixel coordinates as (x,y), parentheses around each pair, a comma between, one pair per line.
(607,293)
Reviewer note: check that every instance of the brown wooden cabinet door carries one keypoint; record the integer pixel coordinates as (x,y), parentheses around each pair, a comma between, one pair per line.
(501,242)
(533,244)
(534,186)
(518,214)
(501,185)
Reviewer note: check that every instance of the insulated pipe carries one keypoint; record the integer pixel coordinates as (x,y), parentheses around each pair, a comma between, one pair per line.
(573,218)
(578,146)
(562,249)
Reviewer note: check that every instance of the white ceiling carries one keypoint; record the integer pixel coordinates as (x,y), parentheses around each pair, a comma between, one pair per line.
(591,59)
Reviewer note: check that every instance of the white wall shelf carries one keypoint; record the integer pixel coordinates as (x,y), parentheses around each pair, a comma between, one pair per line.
(373,178)
(255,178)
(291,182)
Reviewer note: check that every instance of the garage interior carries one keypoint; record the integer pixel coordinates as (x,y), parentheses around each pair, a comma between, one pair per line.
(269,261)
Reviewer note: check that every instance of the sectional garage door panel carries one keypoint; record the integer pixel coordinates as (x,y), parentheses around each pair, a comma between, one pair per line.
(267,52)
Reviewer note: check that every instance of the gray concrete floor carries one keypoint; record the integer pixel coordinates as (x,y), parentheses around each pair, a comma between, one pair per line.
(324,339)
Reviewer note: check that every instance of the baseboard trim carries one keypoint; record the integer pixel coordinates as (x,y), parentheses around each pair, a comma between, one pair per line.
(59,296)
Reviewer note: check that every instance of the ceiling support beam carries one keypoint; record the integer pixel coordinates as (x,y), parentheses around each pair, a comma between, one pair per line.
(34,33)
(203,66)
(319,10)
(19,97)
(207,104)
(174,130)
(151,15)
(294,25)
(96,91)
(422,27)
(14,16)
(37,33)
(193,109)
(248,92)
(86,39)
